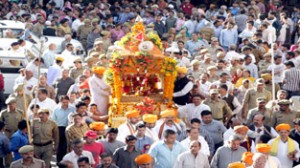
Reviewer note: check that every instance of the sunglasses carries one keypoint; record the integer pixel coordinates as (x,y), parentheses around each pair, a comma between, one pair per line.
(78,62)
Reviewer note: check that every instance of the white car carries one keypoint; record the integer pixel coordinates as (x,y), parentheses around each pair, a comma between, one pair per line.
(17,28)
(9,71)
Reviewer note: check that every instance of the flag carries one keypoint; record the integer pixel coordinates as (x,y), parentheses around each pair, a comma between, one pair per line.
(139,37)
(138,19)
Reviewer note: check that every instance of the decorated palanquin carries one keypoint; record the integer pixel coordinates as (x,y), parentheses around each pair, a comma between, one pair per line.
(140,76)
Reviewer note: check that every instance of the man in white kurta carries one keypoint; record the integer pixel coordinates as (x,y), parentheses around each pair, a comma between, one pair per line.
(55,71)
(283,147)
(43,101)
(168,122)
(193,110)
(128,128)
(28,80)
(100,91)
(272,162)
(193,158)
(150,122)
(194,136)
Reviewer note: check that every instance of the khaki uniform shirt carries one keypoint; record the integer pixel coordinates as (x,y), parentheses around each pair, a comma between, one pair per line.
(83,31)
(75,73)
(106,42)
(208,33)
(204,65)
(95,50)
(233,69)
(44,132)
(196,74)
(11,120)
(269,88)
(250,97)
(280,117)
(38,29)
(263,66)
(36,163)
(20,101)
(106,65)
(213,79)
(219,108)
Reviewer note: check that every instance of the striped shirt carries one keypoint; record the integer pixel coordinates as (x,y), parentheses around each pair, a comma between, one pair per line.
(74,132)
(291,77)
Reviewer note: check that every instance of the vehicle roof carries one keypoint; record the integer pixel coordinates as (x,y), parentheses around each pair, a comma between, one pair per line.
(8,54)
(11,24)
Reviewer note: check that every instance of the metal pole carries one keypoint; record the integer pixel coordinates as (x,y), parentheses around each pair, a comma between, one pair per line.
(25,114)
(39,73)
(273,74)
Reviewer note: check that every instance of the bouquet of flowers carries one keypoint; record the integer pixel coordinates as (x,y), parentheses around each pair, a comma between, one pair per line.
(146,106)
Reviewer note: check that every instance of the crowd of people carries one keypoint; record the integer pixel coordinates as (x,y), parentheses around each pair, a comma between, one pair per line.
(236,93)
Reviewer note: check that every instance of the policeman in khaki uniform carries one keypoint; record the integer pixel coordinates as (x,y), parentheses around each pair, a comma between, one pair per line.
(44,132)
(260,109)
(103,61)
(284,115)
(11,116)
(98,47)
(105,37)
(90,62)
(83,31)
(219,108)
(77,70)
(27,161)
(249,101)
(265,63)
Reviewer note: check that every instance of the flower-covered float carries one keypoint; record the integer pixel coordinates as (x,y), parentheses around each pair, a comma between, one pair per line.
(140,76)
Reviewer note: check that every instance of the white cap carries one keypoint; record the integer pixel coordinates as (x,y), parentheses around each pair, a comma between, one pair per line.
(171,6)
(172,49)
(48,23)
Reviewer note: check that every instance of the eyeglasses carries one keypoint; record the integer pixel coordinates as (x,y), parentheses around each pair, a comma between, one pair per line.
(77,62)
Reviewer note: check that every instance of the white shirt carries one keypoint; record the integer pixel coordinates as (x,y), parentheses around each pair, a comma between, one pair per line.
(72,157)
(247,33)
(204,88)
(278,72)
(273,162)
(28,84)
(187,88)
(54,73)
(253,69)
(190,25)
(76,24)
(269,34)
(192,111)
(35,69)
(188,160)
(204,146)
(231,54)
(125,129)
(282,153)
(151,134)
(184,62)
(227,134)
(68,57)
(46,104)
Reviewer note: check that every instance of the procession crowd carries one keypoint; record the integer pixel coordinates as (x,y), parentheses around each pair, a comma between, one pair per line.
(236,93)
